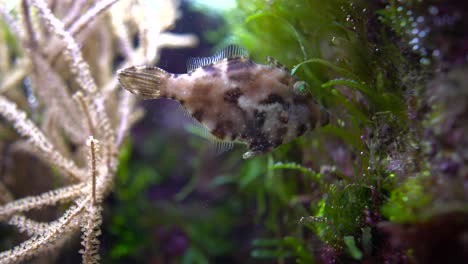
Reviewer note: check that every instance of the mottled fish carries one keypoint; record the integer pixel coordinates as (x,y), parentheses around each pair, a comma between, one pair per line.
(234,98)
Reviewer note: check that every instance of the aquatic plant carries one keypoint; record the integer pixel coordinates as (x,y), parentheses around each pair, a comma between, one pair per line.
(369,173)
(59,92)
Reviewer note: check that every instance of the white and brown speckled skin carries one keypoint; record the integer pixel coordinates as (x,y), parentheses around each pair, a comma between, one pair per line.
(236,99)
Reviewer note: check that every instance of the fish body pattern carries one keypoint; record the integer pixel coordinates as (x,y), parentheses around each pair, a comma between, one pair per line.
(234,98)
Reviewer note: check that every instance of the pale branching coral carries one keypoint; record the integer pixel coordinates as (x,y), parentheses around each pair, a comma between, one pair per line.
(72,115)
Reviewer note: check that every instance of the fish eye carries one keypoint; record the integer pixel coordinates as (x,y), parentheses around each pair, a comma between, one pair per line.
(299,87)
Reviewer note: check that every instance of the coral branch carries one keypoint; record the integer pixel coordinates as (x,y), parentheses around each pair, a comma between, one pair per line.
(26,127)
(37,243)
(31,35)
(91,230)
(28,226)
(93,145)
(95,11)
(79,67)
(85,108)
(53,197)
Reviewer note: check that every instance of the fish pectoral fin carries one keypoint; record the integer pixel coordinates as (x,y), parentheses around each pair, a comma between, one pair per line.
(144,81)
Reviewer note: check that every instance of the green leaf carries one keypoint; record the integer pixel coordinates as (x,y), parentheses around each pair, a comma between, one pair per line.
(352,248)
(351,138)
(266,253)
(295,166)
(302,253)
(267,242)
(349,83)
(367,240)
(353,109)
(297,35)
(250,172)
(223,180)
(194,255)
(270,248)
(381,101)
(327,64)
(406,201)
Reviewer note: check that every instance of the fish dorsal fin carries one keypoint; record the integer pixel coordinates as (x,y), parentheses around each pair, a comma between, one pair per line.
(195,127)
(229,52)
(273,62)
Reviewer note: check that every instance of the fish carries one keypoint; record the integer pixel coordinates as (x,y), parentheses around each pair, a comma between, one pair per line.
(234,98)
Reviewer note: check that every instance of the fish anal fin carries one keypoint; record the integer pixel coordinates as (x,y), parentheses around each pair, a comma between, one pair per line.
(229,52)
(218,146)
(221,146)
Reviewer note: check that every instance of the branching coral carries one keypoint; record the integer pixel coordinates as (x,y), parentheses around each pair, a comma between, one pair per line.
(72,110)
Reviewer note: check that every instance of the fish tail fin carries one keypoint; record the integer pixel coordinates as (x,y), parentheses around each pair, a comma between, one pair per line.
(147,82)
